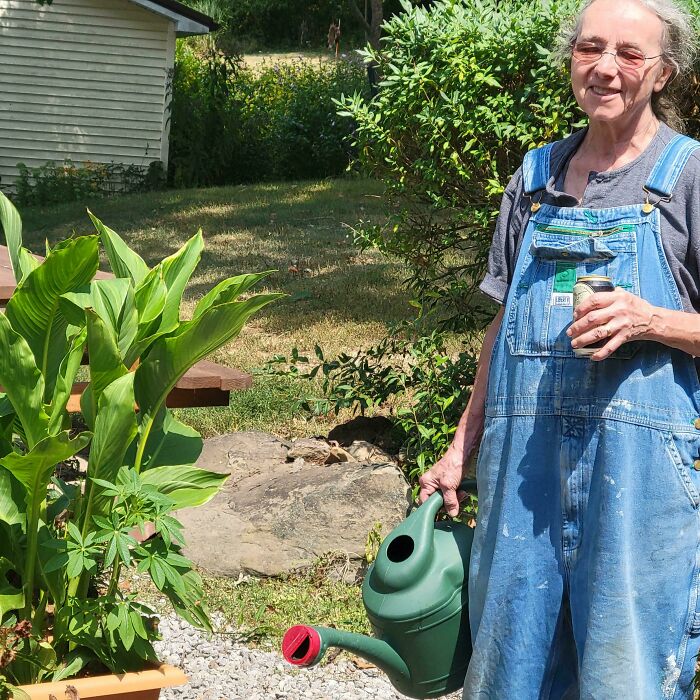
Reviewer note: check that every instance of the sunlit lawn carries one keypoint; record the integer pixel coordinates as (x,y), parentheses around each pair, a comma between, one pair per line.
(338,297)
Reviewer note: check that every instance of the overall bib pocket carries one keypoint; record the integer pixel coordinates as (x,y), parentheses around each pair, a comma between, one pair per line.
(542,305)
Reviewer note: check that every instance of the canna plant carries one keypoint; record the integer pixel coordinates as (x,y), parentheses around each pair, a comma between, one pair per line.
(65,547)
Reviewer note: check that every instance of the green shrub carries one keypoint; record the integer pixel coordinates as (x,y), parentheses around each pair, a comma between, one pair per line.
(231,125)
(428,387)
(69,182)
(468,87)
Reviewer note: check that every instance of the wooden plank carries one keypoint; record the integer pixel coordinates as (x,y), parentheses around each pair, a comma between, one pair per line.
(231,379)
(177,398)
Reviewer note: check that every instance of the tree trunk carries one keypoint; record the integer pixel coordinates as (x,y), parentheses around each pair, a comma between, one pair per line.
(373,24)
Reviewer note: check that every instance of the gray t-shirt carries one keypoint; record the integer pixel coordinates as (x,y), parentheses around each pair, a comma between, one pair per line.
(680,218)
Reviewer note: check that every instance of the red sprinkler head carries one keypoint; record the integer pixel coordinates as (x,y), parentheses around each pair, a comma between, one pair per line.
(301,645)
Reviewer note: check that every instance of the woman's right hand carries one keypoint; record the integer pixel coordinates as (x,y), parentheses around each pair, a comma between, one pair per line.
(445,475)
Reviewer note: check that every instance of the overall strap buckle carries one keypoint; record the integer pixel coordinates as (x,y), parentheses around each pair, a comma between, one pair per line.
(667,169)
(648,206)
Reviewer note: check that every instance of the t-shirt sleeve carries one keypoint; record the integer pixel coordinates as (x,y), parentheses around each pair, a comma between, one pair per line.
(506,241)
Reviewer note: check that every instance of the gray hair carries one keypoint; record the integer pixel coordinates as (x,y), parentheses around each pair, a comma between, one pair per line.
(678,44)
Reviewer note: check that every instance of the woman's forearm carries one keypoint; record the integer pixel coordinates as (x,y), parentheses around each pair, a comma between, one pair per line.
(471,424)
(677,329)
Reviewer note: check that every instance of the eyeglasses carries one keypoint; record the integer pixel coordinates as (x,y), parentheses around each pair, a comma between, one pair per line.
(625,58)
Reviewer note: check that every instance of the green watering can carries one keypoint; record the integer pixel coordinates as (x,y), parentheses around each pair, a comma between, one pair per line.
(415,594)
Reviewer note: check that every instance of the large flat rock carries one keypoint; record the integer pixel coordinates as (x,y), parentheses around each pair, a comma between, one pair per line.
(274,516)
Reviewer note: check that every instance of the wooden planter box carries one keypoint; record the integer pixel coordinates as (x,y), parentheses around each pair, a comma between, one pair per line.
(144,685)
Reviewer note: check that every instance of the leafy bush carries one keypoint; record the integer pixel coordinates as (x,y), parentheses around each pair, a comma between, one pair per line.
(68,182)
(468,87)
(231,125)
(428,386)
(64,546)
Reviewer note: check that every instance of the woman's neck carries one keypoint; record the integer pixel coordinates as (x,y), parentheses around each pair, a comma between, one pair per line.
(607,145)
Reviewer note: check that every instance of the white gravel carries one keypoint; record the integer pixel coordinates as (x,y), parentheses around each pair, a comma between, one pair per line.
(221,669)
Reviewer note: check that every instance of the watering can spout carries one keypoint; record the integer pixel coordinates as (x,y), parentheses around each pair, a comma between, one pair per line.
(304,645)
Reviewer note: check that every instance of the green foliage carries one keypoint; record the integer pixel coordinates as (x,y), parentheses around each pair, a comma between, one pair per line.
(63,546)
(232,125)
(468,87)
(255,24)
(67,182)
(425,383)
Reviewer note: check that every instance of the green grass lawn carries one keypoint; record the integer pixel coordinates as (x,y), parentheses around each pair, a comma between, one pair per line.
(339,297)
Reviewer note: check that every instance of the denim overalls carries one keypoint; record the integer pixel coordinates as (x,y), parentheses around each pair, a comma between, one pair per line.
(586,562)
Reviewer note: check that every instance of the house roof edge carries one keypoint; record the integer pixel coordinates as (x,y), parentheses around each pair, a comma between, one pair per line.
(188,21)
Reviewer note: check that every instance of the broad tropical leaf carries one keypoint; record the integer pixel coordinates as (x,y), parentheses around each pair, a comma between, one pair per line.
(34,469)
(177,270)
(115,429)
(228,290)
(170,443)
(105,364)
(67,372)
(12,228)
(22,382)
(11,598)
(187,487)
(11,498)
(34,308)
(123,261)
(170,357)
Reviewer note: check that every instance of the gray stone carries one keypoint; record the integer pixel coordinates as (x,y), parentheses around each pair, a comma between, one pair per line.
(364,451)
(273,516)
(310,450)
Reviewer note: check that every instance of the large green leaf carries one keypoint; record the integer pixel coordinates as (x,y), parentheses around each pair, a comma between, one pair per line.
(11,598)
(123,261)
(170,357)
(187,487)
(177,270)
(67,372)
(12,228)
(11,499)
(22,381)
(113,301)
(34,469)
(170,443)
(105,364)
(228,290)
(115,429)
(34,309)
(150,297)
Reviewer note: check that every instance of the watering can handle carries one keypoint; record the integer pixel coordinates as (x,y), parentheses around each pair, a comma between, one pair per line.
(434,501)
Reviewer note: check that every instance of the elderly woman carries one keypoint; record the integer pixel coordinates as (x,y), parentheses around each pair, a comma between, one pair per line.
(585,571)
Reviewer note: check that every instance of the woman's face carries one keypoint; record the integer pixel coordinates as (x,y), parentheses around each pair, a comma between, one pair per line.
(605,91)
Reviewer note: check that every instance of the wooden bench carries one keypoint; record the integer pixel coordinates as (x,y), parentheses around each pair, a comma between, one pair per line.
(205,384)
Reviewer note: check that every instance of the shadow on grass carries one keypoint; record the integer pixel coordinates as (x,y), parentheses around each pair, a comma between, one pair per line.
(283,226)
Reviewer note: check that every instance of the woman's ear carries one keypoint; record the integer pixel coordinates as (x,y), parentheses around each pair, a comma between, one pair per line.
(665,77)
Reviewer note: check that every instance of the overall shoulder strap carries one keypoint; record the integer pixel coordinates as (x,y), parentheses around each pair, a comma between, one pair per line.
(536,169)
(669,166)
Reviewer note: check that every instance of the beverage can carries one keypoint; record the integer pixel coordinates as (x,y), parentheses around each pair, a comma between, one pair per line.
(584,287)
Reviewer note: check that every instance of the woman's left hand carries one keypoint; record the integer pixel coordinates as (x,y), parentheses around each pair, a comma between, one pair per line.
(618,316)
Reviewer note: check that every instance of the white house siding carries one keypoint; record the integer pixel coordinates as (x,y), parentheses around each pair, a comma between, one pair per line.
(82,79)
